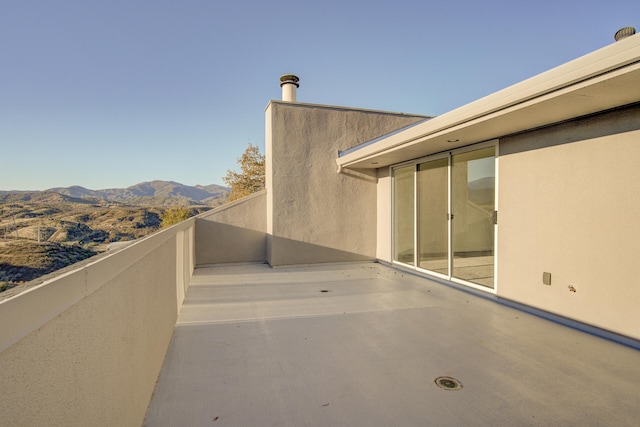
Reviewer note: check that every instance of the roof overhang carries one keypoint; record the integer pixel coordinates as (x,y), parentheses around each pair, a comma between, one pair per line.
(599,81)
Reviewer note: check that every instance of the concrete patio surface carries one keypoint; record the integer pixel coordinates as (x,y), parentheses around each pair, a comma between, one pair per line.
(361,345)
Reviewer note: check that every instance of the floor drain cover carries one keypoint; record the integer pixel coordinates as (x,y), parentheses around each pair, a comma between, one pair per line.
(448,383)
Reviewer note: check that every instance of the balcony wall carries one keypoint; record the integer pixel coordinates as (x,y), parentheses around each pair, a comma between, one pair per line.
(86,347)
(233,233)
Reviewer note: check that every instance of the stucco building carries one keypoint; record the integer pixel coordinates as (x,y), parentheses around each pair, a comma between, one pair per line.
(530,195)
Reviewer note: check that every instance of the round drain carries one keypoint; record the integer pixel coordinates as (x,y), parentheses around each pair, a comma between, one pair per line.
(448,383)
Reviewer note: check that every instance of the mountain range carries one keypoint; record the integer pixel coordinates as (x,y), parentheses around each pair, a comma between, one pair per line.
(43,231)
(152,193)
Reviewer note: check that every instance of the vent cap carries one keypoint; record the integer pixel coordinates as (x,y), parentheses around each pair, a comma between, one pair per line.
(624,32)
(289,83)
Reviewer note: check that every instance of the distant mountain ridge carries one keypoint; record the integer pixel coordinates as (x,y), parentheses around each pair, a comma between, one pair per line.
(148,193)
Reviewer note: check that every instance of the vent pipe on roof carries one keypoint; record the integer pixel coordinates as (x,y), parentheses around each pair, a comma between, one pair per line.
(289,83)
(624,32)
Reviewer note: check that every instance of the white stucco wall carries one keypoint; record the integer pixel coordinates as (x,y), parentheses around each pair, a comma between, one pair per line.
(569,204)
(383,220)
(569,200)
(86,347)
(314,214)
(235,232)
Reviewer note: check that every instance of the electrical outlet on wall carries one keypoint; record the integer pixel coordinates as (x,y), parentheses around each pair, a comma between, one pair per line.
(546,278)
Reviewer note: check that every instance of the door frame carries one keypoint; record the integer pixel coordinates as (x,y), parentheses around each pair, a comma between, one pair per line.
(437,156)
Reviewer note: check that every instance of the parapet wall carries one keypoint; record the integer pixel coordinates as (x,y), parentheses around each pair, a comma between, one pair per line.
(85,348)
(233,233)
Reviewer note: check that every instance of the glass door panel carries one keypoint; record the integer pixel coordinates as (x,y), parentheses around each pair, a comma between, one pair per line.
(473,206)
(403,214)
(433,209)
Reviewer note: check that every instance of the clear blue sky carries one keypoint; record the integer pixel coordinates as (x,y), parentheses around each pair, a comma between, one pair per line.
(109,93)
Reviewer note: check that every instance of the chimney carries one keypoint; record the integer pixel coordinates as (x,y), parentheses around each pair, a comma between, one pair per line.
(289,83)
(624,32)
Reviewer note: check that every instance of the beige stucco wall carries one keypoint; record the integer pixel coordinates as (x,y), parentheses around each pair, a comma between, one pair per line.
(235,232)
(314,214)
(383,220)
(569,204)
(85,348)
(569,199)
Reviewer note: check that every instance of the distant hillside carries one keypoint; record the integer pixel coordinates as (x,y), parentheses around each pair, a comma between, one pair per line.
(482,191)
(43,197)
(44,231)
(154,193)
(25,260)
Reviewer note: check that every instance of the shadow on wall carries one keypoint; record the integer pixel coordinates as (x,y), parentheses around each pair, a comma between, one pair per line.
(283,251)
(611,123)
(218,243)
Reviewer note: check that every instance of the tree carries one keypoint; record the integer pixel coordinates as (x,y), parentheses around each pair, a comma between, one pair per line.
(174,215)
(252,177)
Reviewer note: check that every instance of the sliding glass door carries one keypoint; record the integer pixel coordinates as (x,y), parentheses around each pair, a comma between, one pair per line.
(473,207)
(444,215)
(433,215)
(403,214)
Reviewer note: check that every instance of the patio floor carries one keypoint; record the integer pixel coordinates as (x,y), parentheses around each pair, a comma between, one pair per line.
(256,346)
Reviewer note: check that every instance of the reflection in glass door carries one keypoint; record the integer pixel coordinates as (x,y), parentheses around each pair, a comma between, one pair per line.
(433,209)
(473,207)
(403,214)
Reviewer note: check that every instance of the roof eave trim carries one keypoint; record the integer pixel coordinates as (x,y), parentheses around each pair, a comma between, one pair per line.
(602,61)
